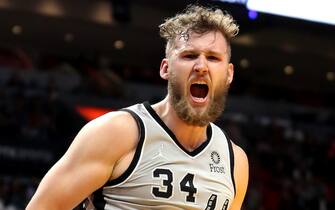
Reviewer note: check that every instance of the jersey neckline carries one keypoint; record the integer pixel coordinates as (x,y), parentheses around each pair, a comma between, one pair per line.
(193,153)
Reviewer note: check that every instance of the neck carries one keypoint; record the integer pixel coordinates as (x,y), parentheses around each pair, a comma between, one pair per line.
(189,136)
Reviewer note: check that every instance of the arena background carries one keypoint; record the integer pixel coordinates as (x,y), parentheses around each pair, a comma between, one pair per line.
(63,63)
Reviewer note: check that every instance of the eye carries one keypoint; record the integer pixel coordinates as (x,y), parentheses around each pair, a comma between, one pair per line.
(190,56)
(213,58)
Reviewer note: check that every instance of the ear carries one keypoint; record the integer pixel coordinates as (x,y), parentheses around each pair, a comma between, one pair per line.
(230,73)
(163,70)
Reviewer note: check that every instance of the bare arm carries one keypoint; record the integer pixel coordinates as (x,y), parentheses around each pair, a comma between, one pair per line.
(88,163)
(241,176)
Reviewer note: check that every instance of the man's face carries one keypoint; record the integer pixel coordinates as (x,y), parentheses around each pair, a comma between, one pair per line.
(199,76)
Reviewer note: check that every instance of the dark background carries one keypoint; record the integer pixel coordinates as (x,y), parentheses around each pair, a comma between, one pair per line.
(59,56)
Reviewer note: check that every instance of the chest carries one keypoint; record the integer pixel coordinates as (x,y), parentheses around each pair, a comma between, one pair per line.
(165,175)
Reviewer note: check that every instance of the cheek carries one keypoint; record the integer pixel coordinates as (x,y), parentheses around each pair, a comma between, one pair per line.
(220,72)
(220,81)
(176,78)
(181,79)
(181,72)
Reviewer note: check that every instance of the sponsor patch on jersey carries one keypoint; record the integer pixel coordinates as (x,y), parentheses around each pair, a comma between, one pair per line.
(215,157)
(215,166)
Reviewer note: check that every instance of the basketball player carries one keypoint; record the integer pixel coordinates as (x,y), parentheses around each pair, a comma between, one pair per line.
(165,156)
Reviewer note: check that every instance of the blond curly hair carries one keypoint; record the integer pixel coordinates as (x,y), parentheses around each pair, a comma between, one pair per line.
(200,20)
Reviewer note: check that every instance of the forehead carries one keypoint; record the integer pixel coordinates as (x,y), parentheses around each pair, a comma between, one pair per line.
(211,41)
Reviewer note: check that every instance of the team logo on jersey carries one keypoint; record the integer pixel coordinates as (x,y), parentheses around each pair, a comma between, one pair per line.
(216,168)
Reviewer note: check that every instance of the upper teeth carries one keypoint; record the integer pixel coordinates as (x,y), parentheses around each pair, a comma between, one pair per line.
(200,83)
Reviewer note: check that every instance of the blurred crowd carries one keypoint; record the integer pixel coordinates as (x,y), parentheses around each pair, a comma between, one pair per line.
(290,163)
(291,158)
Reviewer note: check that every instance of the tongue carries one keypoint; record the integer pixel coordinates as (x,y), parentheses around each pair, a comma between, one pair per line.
(199,91)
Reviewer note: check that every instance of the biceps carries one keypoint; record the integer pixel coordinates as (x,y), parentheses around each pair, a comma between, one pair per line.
(67,184)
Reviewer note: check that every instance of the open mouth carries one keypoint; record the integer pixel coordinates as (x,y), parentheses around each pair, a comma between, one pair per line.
(199,90)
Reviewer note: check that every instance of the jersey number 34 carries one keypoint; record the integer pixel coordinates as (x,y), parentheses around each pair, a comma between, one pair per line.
(186,185)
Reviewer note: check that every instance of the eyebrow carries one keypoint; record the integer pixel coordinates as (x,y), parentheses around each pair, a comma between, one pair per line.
(210,52)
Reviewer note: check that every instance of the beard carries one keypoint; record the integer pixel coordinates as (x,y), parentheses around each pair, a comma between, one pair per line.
(189,115)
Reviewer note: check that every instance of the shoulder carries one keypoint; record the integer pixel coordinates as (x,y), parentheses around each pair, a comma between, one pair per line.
(241,158)
(112,123)
(241,167)
(109,136)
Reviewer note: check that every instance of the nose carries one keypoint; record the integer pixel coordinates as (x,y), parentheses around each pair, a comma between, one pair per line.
(201,66)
